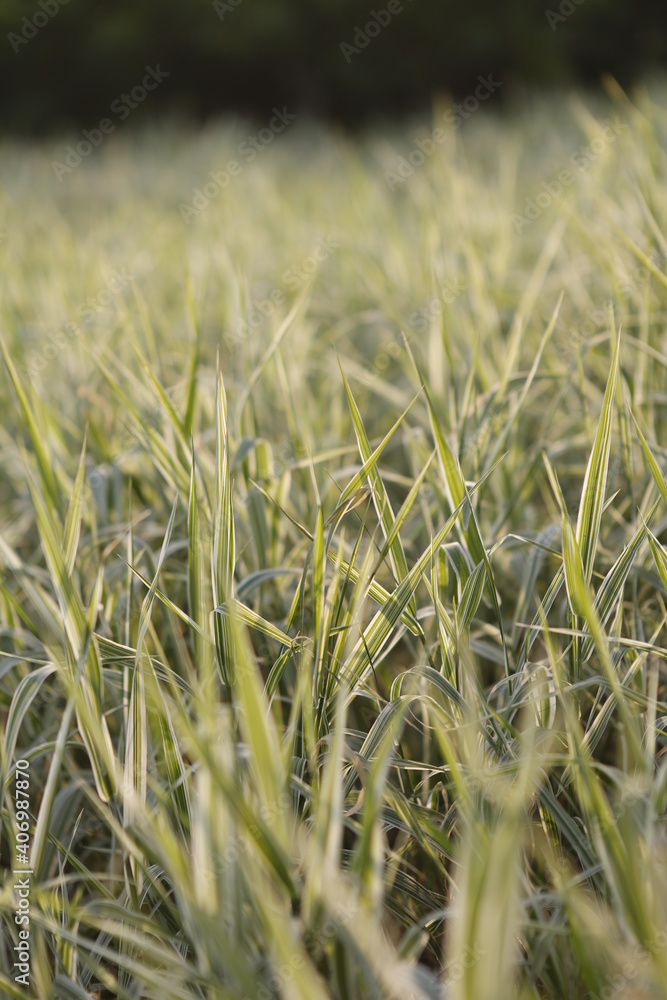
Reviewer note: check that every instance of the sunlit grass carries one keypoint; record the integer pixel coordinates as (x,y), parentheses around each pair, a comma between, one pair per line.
(333,548)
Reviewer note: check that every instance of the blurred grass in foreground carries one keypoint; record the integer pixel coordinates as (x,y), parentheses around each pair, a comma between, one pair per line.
(333,560)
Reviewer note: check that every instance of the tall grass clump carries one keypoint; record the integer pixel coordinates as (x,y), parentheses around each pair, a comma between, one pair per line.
(333,557)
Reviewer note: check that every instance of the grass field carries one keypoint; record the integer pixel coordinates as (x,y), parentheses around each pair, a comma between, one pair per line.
(333,557)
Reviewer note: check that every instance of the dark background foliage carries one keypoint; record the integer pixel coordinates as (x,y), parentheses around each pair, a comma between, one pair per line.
(266,52)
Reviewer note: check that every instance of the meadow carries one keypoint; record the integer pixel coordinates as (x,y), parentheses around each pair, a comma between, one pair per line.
(333,557)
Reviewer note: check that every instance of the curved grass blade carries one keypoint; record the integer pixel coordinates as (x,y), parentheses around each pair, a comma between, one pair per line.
(223,554)
(595,481)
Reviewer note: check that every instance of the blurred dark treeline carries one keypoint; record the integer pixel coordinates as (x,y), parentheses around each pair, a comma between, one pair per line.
(66,62)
